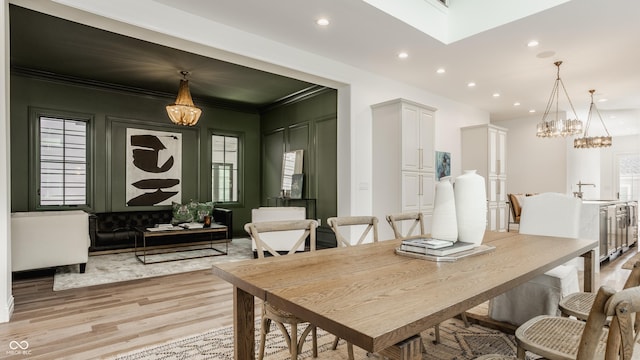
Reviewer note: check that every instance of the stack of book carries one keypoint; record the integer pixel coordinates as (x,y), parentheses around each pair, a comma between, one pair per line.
(435,247)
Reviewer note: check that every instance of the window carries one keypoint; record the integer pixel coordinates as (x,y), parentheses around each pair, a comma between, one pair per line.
(224,168)
(62,166)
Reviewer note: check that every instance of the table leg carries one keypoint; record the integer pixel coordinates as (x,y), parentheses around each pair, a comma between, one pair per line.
(589,271)
(409,349)
(243,324)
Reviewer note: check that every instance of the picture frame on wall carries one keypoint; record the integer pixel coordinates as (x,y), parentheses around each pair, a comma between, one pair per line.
(153,167)
(296,186)
(443,164)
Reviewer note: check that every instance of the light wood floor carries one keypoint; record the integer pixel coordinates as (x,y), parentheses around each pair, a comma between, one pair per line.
(102,321)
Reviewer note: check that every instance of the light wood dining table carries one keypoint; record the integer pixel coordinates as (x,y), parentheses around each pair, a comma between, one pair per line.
(375,299)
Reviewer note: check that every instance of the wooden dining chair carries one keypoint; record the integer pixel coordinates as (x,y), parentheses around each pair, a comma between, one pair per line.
(579,304)
(271,313)
(368,225)
(415,223)
(365,229)
(413,220)
(562,338)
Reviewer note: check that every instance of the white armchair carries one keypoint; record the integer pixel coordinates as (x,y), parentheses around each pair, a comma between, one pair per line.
(42,239)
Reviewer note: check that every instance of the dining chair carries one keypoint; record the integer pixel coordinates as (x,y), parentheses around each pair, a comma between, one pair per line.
(271,313)
(365,229)
(561,338)
(579,304)
(415,222)
(548,214)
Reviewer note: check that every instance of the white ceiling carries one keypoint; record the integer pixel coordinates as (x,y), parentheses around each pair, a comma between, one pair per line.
(598,42)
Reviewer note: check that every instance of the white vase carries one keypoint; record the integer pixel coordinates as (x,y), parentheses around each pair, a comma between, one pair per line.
(444,225)
(471,207)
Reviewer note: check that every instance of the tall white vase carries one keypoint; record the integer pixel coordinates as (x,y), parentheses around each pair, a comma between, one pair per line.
(471,206)
(444,225)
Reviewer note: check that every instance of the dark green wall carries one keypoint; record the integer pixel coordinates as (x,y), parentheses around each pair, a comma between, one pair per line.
(310,125)
(113,111)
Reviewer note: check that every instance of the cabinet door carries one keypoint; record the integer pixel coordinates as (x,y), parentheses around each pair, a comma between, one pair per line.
(427,137)
(493,185)
(427,192)
(492,217)
(503,219)
(410,138)
(492,149)
(411,188)
(501,191)
(501,156)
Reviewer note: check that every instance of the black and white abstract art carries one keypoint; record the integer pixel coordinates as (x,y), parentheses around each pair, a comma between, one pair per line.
(154,167)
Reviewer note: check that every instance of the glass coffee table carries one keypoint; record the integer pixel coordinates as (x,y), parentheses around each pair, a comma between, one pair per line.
(155,245)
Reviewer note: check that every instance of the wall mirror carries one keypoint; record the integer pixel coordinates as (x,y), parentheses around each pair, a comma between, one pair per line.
(291,164)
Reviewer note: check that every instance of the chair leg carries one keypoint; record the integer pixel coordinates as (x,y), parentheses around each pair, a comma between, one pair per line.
(437,331)
(521,353)
(464,318)
(294,341)
(264,329)
(335,343)
(314,341)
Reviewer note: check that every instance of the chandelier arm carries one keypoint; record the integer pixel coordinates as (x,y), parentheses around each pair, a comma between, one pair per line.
(575,114)
(554,91)
(601,121)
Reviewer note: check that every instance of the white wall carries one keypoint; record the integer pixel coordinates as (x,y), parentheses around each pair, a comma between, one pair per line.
(541,165)
(357,89)
(534,164)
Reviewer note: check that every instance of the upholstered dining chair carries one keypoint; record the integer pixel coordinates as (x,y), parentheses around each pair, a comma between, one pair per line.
(414,220)
(271,313)
(561,338)
(547,214)
(365,229)
(579,304)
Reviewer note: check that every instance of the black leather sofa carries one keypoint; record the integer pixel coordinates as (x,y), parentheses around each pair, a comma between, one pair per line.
(116,230)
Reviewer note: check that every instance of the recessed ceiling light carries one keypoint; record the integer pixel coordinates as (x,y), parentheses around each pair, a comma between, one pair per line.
(403,55)
(471,84)
(496,95)
(603,100)
(516,104)
(322,22)
(532,110)
(441,71)
(532,43)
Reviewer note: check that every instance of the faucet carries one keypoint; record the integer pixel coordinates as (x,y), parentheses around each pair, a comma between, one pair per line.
(580,184)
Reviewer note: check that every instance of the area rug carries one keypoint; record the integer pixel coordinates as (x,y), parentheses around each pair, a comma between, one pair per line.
(457,342)
(110,268)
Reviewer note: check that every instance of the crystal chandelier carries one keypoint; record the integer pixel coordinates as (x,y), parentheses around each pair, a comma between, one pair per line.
(558,127)
(587,141)
(183,111)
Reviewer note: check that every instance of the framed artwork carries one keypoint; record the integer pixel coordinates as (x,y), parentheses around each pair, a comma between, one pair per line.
(443,164)
(153,168)
(296,186)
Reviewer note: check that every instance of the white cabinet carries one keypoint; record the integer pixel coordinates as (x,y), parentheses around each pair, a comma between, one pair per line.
(484,148)
(403,160)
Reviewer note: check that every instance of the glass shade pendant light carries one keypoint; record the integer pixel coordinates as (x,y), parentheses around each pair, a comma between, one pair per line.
(548,127)
(586,141)
(183,111)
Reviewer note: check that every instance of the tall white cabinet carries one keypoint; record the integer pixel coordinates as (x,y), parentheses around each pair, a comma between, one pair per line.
(484,148)
(403,160)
